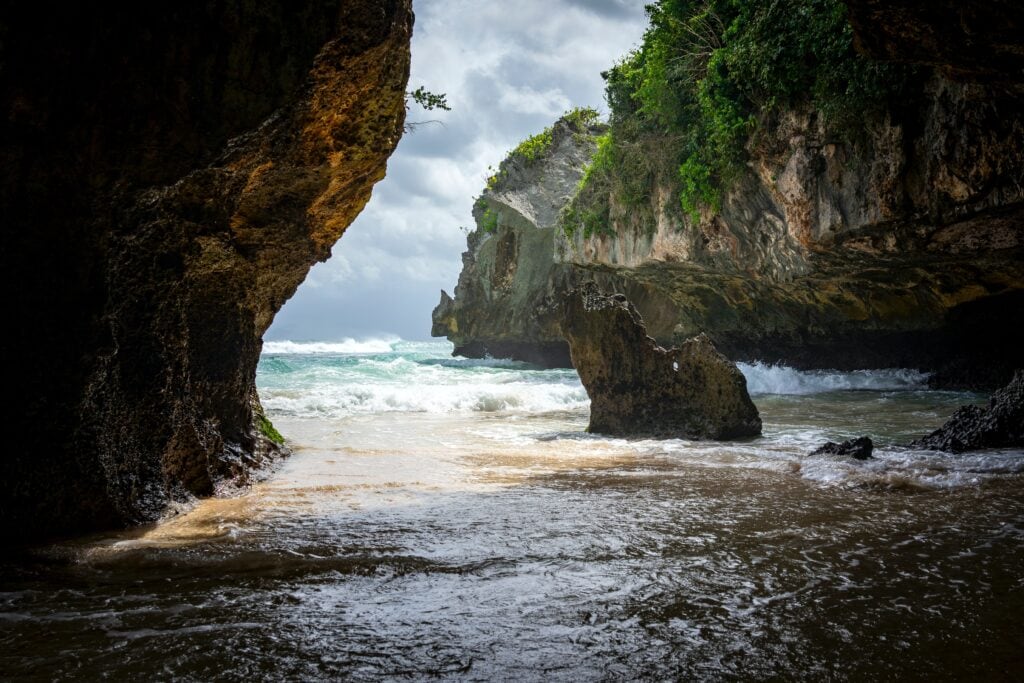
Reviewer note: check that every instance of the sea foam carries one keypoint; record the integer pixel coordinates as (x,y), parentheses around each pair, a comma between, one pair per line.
(780,379)
(348,345)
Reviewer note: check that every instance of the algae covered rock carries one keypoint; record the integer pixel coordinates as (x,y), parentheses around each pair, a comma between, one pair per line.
(639,388)
(1000,425)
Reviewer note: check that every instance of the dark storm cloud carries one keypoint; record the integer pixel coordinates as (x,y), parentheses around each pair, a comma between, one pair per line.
(508,70)
(615,9)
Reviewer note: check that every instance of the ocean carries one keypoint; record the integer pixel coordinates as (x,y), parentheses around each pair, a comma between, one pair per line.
(446,518)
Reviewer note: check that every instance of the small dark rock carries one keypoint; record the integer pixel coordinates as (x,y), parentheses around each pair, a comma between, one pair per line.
(638,388)
(971,428)
(859,448)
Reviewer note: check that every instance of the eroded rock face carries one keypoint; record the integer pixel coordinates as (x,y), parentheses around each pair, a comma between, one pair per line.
(505,296)
(967,41)
(638,388)
(169,174)
(971,428)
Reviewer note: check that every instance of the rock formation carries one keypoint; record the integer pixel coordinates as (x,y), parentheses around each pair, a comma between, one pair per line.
(170,172)
(966,42)
(859,448)
(503,300)
(971,428)
(637,388)
(903,246)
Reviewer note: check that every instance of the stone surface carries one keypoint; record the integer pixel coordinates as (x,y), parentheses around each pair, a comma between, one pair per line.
(170,172)
(859,448)
(1000,425)
(503,305)
(637,388)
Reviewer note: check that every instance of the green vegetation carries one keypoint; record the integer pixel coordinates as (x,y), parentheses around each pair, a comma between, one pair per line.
(267,429)
(429,100)
(709,77)
(536,146)
(489,222)
(580,121)
(488,218)
(494,177)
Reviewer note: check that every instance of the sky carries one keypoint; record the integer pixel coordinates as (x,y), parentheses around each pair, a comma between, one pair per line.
(508,70)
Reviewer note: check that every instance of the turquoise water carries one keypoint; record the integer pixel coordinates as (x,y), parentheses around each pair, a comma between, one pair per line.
(337,381)
(451,519)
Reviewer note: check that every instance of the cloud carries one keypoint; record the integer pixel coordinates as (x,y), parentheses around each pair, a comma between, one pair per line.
(508,70)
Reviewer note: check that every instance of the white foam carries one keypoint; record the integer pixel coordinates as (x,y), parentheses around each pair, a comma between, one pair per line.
(780,379)
(890,468)
(906,468)
(334,400)
(344,346)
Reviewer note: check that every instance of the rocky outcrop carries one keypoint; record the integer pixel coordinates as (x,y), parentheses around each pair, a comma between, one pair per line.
(902,245)
(503,300)
(834,252)
(637,388)
(170,172)
(971,428)
(859,448)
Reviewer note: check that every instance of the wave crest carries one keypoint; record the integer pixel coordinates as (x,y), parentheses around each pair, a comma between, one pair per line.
(780,379)
(344,346)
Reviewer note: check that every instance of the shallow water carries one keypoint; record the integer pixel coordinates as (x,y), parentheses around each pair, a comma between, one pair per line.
(446,518)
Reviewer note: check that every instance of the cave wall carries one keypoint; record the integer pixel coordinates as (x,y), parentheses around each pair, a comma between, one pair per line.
(170,172)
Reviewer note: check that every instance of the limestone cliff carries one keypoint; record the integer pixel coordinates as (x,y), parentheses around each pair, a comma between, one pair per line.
(895,242)
(502,306)
(170,173)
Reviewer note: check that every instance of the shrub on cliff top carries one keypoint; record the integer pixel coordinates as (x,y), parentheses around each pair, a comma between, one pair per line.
(536,146)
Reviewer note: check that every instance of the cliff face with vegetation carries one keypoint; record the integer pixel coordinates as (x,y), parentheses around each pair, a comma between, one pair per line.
(800,202)
(503,305)
(169,175)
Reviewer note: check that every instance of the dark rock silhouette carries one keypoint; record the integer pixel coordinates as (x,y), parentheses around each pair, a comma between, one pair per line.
(859,448)
(1000,425)
(169,172)
(638,388)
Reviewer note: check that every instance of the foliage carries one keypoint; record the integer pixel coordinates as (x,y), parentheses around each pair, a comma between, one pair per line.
(536,146)
(427,100)
(710,74)
(494,176)
(488,221)
(581,118)
(430,100)
(266,428)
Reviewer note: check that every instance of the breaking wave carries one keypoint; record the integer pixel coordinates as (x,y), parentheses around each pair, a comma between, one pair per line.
(343,346)
(783,380)
(315,379)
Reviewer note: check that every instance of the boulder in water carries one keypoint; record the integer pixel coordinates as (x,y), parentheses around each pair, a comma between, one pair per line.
(1000,425)
(638,388)
(859,448)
